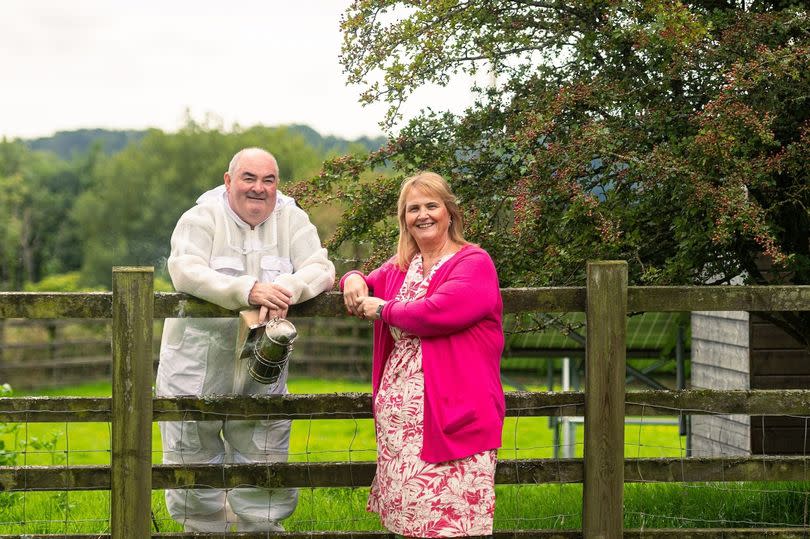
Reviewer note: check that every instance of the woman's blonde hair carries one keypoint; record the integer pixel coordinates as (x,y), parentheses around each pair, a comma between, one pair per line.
(431,184)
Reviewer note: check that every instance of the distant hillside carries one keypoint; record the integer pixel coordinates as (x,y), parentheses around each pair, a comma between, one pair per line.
(66,144)
(330,144)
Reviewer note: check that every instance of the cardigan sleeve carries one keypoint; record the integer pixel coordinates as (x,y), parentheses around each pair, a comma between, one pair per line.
(373,280)
(469,292)
(349,274)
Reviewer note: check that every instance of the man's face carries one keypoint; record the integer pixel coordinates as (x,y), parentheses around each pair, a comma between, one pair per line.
(252,188)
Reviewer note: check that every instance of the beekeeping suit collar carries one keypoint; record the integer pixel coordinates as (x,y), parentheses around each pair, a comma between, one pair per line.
(220,194)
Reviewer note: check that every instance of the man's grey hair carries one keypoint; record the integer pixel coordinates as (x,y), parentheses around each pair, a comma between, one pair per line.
(238,155)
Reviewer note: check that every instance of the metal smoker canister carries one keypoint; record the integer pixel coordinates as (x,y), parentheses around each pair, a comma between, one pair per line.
(272,351)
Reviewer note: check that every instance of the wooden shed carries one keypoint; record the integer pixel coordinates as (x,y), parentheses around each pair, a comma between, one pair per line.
(738,350)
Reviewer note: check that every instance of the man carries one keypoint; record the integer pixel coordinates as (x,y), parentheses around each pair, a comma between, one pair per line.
(244,243)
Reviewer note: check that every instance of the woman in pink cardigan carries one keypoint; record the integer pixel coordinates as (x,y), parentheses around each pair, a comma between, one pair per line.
(438,400)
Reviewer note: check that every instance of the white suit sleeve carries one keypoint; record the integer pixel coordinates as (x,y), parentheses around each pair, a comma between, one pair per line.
(192,242)
(313,272)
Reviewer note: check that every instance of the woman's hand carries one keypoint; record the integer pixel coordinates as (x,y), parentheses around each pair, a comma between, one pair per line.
(368,307)
(354,288)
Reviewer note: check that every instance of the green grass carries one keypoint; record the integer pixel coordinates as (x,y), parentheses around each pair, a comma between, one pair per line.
(518,506)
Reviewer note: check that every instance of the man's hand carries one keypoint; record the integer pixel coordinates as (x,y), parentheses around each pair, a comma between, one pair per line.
(265,314)
(271,299)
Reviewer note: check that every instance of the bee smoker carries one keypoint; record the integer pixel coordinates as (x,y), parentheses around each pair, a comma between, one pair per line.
(267,348)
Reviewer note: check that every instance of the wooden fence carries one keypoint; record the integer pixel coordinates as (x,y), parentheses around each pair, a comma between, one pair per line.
(47,353)
(605,299)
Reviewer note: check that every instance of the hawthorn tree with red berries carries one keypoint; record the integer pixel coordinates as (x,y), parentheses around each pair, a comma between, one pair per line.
(674,135)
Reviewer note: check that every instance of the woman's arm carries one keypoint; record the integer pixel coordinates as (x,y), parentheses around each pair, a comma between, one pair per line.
(469,293)
(356,286)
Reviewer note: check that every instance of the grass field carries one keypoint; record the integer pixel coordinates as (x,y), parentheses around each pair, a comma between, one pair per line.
(526,506)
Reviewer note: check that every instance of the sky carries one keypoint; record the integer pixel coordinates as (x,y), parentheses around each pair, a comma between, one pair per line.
(135,64)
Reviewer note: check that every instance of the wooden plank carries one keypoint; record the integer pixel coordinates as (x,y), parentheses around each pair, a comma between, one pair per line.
(562,299)
(787,445)
(732,332)
(788,381)
(771,336)
(55,304)
(332,342)
(59,363)
(721,379)
(781,421)
(358,405)
(606,313)
(340,406)
(500,534)
(646,533)
(40,305)
(758,468)
(60,322)
(360,474)
(715,354)
(780,362)
(703,447)
(714,425)
(748,402)
(47,345)
(725,432)
(131,458)
(780,435)
(718,298)
(548,300)
(723,315)
(176,305)
(301,406)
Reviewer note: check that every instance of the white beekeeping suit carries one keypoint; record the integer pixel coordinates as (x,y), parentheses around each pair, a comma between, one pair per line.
(218,257)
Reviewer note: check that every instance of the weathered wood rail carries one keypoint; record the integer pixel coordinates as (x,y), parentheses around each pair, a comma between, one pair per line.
(43,353)
(133,306)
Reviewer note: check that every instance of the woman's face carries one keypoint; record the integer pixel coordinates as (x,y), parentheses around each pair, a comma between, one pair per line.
(426,218)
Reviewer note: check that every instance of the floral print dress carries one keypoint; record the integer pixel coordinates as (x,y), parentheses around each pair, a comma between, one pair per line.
(413,497)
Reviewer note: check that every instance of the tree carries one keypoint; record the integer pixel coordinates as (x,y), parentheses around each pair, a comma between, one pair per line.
(36,192)
(674,135)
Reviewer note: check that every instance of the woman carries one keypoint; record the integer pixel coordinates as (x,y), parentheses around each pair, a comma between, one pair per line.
(438,400)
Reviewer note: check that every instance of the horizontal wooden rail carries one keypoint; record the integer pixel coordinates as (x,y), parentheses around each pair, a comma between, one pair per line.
(794,402)
(53,322)
(718,298)
(54,344)
(664,533)
(360,473)
(55,304)
(38,305)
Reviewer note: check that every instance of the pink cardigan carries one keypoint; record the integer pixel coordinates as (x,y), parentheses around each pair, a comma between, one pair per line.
(459,322)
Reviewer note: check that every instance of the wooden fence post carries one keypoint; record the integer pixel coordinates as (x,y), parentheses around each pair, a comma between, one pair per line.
(133,301)
(603,486)
(2,340)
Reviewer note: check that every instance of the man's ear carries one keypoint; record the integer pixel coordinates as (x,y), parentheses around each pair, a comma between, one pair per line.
(227,178)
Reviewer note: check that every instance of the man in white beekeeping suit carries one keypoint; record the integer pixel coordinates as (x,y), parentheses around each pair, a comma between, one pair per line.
(244,243)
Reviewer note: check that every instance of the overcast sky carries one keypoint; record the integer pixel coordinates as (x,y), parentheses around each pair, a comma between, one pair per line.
(133,64)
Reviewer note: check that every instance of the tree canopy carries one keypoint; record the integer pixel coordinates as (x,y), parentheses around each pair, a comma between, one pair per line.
(674,135)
